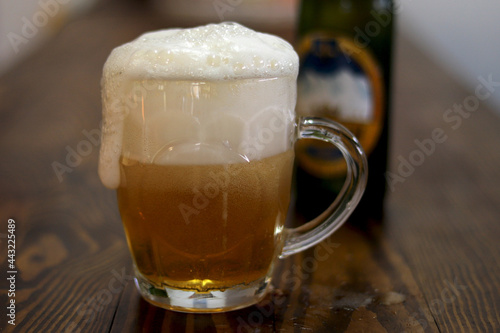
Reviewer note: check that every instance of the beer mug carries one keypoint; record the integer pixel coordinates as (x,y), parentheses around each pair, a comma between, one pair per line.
(198,140)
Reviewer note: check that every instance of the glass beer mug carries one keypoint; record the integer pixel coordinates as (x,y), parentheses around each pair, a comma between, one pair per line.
(198,140)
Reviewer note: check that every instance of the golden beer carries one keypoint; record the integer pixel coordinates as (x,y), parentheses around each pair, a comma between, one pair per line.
(204,176)
(197,139)
(205,227)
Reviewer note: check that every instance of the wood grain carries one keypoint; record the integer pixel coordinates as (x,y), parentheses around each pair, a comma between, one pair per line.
(450,205)
(431,266)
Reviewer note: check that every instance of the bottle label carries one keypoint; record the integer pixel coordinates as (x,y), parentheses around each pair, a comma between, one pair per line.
(342,82)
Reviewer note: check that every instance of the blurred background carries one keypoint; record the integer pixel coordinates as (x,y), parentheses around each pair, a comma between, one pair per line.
(460,35)
(443,208)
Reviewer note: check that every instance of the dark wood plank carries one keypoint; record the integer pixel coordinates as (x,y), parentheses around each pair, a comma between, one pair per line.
(352,282)
(444,216)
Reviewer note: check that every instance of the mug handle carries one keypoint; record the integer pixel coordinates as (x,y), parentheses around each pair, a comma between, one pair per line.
(314,231)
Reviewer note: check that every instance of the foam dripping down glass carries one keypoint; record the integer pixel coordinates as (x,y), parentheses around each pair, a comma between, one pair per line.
(198,137)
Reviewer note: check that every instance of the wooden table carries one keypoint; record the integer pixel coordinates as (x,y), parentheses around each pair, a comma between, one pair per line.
(432,265)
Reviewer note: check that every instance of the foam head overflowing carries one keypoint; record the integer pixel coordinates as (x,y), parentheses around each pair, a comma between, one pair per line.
(215,94)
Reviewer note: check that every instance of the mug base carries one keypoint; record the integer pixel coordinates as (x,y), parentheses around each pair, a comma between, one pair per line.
(234,298)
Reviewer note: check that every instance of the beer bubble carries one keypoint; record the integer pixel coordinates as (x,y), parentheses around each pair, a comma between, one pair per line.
(258,62)
(239,68)
(273,64)
(214,60)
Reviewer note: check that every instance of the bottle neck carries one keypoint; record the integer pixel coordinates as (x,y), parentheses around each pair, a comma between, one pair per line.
(343,16)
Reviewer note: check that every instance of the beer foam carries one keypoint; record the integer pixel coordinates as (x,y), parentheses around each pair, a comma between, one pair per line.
(212,52)
(207,85)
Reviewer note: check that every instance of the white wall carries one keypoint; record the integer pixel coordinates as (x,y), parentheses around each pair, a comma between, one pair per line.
(462,35)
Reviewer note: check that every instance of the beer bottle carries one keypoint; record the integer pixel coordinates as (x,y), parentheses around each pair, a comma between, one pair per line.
(345,75)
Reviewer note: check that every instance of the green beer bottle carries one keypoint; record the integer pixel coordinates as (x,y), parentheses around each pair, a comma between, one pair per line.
(345,75)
